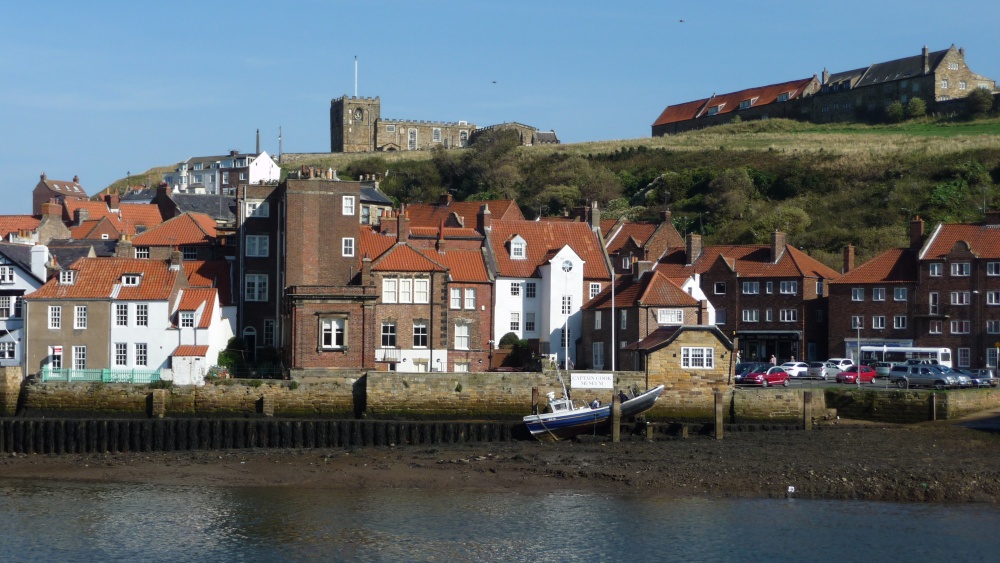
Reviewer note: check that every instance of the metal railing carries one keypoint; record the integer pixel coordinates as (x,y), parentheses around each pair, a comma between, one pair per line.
(107,375)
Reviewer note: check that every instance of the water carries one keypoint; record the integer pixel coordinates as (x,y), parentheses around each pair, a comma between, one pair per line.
(102,522)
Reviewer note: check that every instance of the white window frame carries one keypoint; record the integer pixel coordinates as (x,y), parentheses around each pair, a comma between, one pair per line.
(933,302)
(529,322)
(121,314)
(515,321)
(257,246)
(7,275)
(517,250)
(719,288)
(456,298)
(878,322)
(789,287)
(347,206)
(141,314)
(857,321)
(993,297)
(187,319)
(567,304)
(515,289)
(141,354)
(751,315)
(670,316)
(79,357)
(421,290)
(878,294)
(959,326)
(421,335)
(530,290)
(899,294)
(960,269)
(80,317)
(788,315)
(470,298)
(696,357)
(751,288)
(258,209)
(960,297)
(142,252)
(595,289)
(857,294)
(899,322)
(993,268)
(390,290)
(121,354)
(347,247)
(964,357)
(255,287)
(332,330)
(935,327)
(935,269)
(462,338)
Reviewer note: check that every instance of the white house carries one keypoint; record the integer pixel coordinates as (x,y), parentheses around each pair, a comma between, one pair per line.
(221,174)
(22,271)
(203,331)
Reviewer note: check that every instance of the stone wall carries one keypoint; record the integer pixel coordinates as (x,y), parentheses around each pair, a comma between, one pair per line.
(772,405)
(10,389)
(910,406)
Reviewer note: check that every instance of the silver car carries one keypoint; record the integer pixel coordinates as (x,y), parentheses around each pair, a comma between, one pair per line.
(817,370)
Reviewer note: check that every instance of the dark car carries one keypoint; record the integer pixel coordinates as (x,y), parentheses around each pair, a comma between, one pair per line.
(770,375)
(924,375)
(983,377)
(851,375)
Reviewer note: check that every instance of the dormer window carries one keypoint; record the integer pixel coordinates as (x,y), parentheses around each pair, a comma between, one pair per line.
(783,97)
(715,109)
(747,103)
(518,248)
(131,280)
(67,277)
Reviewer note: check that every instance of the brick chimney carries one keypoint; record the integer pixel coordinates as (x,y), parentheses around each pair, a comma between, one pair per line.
(124,247)
(668,217)
(693,247)
(917,230)
(826,76)
(703,312)
(848,259)
(80,216)
(366,270)
(595,216)
(640,267)
(927,59)
(484,219)
(402,226)
(76,179)
(112,200)
(176,257)
(440,239)
(777,246)
(53,210)
(444,199)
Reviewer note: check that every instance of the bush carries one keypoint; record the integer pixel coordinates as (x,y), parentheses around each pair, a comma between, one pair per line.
(916,108)
(895,113)
(979,102)
(509,340)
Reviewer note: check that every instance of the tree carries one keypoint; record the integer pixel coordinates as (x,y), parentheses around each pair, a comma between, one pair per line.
(729,194)
(979,102)
(895,113)
(916,108)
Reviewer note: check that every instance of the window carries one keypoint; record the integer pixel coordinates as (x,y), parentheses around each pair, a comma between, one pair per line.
(993,268)
(389,287)
(436,135)
(7,350)
(960,327)
(388,335)
(366,215)
(769,288)
(121,354)
(131,280)
(959,297)
(66,277)
(80,317)
(751,315)
(515,289)
(720,316)
(269,332)
(187,319)
(857,294)
(456,298)
(878,294)
(993,327)
(857,321)
(517,250)
(461,367)
(141,354)
(932,302)
(347,247)
(421,291)
(257,246)
(878,322)
(470,298)
(121,314)
(529,322)
(598,355)
(768,315)
(952,66)
(944,83)
(79,357)
(935,269)
(225,177)
(819,288)
(935,327)
(670,316)
(964,357)
(256,287)
(189,252)
(461,336)
(751,288)
(5,301)
(419,334)
(595,288)
(623,314)
(962,85)
(347,205)
(390,128)
(567,304)
(720,288)
(783,97)
(993,297)
(565,335)
(529,290)
(597,319)
(405,290)
(899,294)
(332,332)
(899,322)
(960,269)
(991,357)
(515,322)
(56,353)
(789,287)
(697,358)
(7,274)
(257,208)
(17,307)
(142,314)
(788,315)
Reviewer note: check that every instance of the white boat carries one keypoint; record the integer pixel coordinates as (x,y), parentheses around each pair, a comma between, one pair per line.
(567,420)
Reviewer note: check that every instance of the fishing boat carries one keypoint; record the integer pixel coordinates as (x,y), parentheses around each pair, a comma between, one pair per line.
(567,420)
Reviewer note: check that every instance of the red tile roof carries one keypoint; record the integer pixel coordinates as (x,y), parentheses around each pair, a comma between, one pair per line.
(761,95)
(190,350)
(430,215)
(543,239)
(751,260)
(665,334)
(187,229)
(373,244)
(640,232)
(13,223)
(449,232)
(652,290)
(192,299)
(984,240)
(465,266)
(125,220)
(894,265)
(405,258)
(101,278)
(84,229)
(607,225)
(211,273)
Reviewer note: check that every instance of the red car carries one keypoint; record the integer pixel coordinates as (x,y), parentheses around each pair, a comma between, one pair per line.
(764,377)
(850,375)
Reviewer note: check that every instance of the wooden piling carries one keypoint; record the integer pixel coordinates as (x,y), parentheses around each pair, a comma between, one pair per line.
(807,410)
(534,400)
(720,414)
(616,418)
(933,406)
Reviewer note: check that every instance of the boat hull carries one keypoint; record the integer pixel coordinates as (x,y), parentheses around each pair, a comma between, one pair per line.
(550,427)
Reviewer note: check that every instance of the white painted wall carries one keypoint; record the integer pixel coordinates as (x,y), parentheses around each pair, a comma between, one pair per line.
(264,168)
(555,284)
(12,328)
(159,336)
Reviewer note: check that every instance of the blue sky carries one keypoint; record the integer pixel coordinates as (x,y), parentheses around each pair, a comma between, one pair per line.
(106,88)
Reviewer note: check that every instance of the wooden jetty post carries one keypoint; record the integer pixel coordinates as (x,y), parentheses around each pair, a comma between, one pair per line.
(807,410)
(933,406)
(534,400)
(616,418)
(720,414)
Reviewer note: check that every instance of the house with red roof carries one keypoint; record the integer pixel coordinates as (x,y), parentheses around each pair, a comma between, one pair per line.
(121,314)
(631,241)
(193,234)
(108,219)
(56,191)
(460,214)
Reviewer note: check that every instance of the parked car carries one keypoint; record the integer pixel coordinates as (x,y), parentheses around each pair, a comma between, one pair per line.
(983,377)
(817,370)
(744,368)
(796,369)
(882,368)
(924,375)
(853,373)
(764,377)
(963,377)
(836,365)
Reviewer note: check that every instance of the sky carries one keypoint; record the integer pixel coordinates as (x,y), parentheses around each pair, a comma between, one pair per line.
(103,89)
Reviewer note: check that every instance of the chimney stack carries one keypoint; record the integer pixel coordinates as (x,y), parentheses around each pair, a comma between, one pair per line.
(693,247)
(777,246)
(445,199)
(826,76)
(595,216)
(112,200)
(917,230)
(927,59)
(402,226)
(124,247)
(258,142)
(640,267)
(848,259)
(366,270)
(176,257)
(80,216)
(484,219)
(76,179)
(703,312)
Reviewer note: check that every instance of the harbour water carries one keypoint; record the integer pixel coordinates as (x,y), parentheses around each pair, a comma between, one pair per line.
(105,522)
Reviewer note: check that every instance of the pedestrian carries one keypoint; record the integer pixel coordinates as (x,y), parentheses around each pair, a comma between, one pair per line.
(774,361)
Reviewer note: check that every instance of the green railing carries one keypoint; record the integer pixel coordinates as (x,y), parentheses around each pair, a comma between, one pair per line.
(118,375)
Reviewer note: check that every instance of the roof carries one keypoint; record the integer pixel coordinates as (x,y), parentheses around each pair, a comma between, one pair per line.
(892,266)
(371,194)
(640,232)
(219,207)
(13,223)
(750,260)
(101,278)
(143,195)
(192,299)
(730,103)
(185,229)
(403,257)
(653,289)
(664,335)
(64,256)
(102,247)
(983,240)
(67,187)
(374,244)
(546,136)
(129,218)
(190,350)
(465,266)
(19,254)
(900,68)
(607,225)
(448,232)
(430,215)
(544,238)
(211,273)
(231,156)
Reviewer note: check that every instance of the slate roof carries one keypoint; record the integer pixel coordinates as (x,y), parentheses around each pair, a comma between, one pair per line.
(19,254)
(186,229)
(900,68)
(190,350)
(13,223)
(211,273)
(545,238)
(222,208)
(101,278)
(128,219)
(372,195)
(895,265)
(983,240)
(751,260)
(546,136)
(67,187)
(144,195)
(653,289)
(730,102)
(102,247)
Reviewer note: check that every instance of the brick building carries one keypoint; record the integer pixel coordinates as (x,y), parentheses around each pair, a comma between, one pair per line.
(628,241)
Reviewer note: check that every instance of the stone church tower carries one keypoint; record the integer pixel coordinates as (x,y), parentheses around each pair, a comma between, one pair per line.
(352,123)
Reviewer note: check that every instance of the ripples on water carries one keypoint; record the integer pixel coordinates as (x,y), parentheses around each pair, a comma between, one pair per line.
(86,522)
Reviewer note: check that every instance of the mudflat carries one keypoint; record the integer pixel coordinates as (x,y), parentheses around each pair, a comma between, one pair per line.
(940,462)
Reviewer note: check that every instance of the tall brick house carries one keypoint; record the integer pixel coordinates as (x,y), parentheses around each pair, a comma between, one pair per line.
(58,191)
(628,241)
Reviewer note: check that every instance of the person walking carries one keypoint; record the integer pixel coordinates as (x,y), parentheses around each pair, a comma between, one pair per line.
(774,361)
